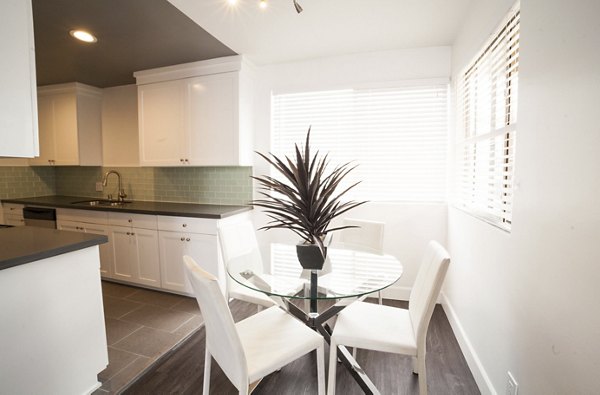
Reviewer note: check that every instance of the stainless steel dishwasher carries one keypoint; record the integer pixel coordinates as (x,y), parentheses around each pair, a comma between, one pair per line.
(41,217)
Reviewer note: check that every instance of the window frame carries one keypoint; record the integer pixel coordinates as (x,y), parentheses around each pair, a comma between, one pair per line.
(467,136)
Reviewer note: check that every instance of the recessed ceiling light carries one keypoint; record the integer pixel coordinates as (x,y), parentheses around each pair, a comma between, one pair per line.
(232,2)
(263,4)
(83,36)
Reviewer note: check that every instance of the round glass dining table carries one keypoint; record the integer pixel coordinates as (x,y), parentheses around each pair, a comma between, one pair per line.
(348,274)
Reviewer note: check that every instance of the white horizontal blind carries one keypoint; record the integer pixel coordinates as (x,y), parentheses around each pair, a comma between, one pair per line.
(487,131)
(397,136)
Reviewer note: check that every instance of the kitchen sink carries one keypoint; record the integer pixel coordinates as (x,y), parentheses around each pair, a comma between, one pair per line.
(101,202)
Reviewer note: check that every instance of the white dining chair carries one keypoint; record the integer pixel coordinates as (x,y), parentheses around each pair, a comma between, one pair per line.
(367,235)
(252,348)
(239,249)
(390,329)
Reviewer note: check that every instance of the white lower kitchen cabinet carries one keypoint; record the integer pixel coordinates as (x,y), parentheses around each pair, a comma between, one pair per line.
(135,255)
(173,246)
(96,229)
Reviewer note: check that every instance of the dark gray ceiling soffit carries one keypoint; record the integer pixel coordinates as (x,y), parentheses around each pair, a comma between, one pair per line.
(132,35)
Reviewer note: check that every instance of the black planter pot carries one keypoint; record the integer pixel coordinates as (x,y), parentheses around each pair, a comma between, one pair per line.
(310,257)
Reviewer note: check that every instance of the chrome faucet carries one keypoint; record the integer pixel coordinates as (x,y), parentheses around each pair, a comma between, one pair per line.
(122,194)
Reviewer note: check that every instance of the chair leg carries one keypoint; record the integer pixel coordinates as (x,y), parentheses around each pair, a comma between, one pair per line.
(354,352)
(321,369)
(380,298)
(259,309)
(207,362)
(332,367)
(415,365)
(422,376)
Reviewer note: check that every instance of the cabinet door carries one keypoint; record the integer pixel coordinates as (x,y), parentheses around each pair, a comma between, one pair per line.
(172,249)
(124,254)
(46,130)
(18,108)
(161,124)
(66,143)
(146,256)
(211,109)
(204,250)
(174,245)
(105,249)
(57,116)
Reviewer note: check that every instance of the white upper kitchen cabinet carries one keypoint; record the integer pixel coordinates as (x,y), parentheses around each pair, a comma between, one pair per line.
(18,104)
(70,125)
(196,114)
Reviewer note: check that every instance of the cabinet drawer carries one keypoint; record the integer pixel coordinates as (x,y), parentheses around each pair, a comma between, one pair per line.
(12,208)
(142,221)
(190,225)
(88,216)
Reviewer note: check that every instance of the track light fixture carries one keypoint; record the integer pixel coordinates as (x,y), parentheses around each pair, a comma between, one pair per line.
(263,4)
(297,7)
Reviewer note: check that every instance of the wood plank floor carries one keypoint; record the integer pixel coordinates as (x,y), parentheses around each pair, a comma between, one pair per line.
(181,371)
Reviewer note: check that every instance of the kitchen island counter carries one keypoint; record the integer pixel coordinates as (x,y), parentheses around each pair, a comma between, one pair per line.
(24,244)
(212,211)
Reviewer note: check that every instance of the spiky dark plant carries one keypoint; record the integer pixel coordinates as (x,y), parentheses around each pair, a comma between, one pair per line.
(306,201)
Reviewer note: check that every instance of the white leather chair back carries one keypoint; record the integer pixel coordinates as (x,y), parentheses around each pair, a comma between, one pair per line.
(426,289)
(239,246)
(222,339)
(368,235)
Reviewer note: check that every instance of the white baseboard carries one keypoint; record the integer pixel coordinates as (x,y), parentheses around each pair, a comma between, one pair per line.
(481,378)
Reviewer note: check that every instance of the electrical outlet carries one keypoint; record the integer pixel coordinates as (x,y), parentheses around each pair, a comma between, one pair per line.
(512,387)
(99,187)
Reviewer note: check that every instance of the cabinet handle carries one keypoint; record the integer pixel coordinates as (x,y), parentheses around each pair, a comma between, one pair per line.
(188,239)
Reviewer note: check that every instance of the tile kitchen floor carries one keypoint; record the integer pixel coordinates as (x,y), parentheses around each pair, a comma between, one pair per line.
(142,326)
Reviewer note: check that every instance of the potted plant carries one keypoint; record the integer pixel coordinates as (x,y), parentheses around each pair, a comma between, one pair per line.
(306,200)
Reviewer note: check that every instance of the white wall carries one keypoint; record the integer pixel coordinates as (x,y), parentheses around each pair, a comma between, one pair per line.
(527,301)
(409,227)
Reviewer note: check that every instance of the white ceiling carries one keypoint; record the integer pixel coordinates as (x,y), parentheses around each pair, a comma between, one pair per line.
(326,27)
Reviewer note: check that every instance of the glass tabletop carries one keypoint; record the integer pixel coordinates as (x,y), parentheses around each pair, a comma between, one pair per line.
(346,273)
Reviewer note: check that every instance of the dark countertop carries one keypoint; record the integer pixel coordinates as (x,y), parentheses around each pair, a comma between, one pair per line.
(24,244)
(213,211)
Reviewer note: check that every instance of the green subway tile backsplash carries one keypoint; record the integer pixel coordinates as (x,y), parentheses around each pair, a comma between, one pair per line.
(25,181)
(214,185)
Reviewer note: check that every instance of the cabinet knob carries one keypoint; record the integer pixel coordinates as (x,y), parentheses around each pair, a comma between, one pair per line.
(133,234)
(128,233)
(184,225)
(183,239)
(188,239)
(187,161)
(181,160)
(129,220)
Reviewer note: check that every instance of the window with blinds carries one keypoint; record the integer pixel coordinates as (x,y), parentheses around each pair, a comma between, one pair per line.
(396,135)
(487,116)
